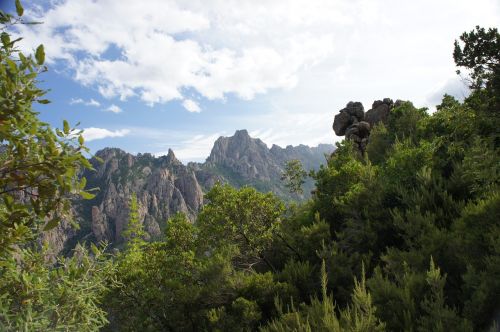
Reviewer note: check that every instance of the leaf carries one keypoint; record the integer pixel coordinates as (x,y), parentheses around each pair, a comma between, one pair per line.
(40,55)
(66,127)
(43,101)
(86,195)
(19,8)
(81,140)
(83,183)
(94,249)
(5,39)
(51,224)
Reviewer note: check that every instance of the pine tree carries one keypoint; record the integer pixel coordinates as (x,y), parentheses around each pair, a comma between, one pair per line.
(134,233)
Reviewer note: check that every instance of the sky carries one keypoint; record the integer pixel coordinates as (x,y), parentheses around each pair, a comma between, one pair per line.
(150,75)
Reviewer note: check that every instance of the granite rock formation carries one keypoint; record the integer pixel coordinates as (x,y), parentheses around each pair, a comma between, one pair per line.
(353,123)
(350,122)
(165,186)
(242,160)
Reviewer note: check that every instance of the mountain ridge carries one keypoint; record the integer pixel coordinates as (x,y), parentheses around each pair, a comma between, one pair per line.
(165,186)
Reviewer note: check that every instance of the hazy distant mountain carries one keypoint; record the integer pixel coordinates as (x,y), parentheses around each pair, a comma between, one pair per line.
(242,160)
(164,186)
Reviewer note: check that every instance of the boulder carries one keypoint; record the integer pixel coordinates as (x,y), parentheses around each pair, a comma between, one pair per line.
(380,113)
(341,122)
(356,109)
(355,124)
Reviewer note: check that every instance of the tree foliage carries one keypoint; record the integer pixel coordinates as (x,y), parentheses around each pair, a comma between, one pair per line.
(39,169)
(294,176)
(38,166)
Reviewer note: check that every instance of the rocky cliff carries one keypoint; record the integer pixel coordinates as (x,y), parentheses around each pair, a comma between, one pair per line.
(164,186)
(243,160)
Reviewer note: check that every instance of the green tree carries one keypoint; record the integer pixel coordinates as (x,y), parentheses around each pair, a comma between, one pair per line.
(38,166)
(479,52)
(36,296)
(244,218)
(134,232)
(321,314)
(294,176)
(39,169)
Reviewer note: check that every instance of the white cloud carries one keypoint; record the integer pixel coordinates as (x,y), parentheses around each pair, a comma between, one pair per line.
(92,133)
(216,48)
(249,47)
(191,106)
(196,148)
(310,56)
(114,109)
(75,101)
(91,102)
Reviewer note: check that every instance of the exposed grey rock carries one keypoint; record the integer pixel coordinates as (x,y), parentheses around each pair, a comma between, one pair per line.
(341,122)
(57,237)
(379,112)
(356,109)
(100,226)
(164,186)
(356,125)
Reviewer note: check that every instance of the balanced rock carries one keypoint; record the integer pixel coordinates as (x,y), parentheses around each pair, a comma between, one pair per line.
(355,124)
(379,112)
(354,112)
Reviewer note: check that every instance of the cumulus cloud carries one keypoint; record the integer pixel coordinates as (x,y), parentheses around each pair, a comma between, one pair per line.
(91,102)
(196,148)
(74,101)
(114,109)
(160,49)
(92,133)
(191,106)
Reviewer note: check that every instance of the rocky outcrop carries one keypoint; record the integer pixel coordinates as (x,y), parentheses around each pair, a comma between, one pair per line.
(379,111)
(163,186)
(247,157)
(243,160)
(350,122)
(355,124)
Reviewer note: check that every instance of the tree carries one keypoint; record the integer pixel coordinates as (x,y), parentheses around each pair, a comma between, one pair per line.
(36,296)
(479,51)
(134,232)
(294,176)
(39,169)
(321,314)
(244,218)
(38,166)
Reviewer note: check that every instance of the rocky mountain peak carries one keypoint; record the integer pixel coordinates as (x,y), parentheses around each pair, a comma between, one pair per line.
(171,159)
(164,186)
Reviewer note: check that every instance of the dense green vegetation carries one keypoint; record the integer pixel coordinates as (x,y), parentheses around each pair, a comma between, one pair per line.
(38,174)
(404,237)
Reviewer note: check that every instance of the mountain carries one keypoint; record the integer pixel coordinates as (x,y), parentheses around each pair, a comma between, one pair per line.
(241,160)
(165,186)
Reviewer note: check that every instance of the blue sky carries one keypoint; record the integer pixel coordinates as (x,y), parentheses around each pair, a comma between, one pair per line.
(146,76)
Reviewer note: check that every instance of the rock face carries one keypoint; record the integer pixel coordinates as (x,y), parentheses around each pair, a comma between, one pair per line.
(350,122)
(242,160)
(355,124)
(164,186)
(379,111)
